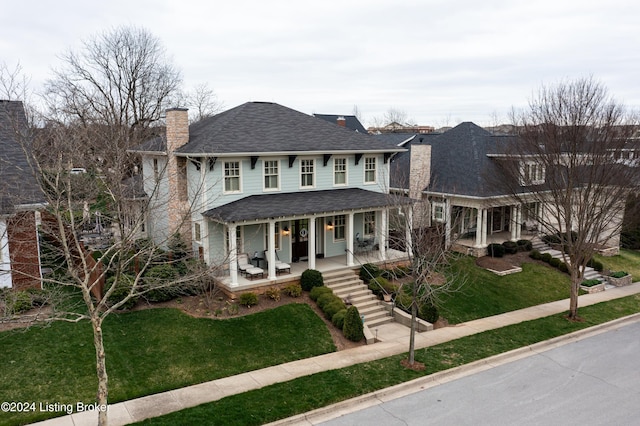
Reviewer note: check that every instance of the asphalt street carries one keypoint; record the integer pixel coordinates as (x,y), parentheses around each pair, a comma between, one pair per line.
(594,381)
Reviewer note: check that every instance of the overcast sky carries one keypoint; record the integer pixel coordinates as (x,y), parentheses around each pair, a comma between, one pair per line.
(440,61)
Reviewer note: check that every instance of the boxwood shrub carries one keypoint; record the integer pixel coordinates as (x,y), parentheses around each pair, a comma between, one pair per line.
(353,328)
(248,299)
(510,247)
(524,245)
(495,250)
(310,279)
(369,271)
(338,319)
(318,291)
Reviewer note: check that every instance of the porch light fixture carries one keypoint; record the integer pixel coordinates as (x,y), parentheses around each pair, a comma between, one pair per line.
(285,230)
(329,225)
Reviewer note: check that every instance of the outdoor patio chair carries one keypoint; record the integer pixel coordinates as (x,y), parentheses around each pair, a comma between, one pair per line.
(246,268)
(281,267)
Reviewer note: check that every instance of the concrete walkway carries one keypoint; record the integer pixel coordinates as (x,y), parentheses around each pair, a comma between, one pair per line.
(393,339)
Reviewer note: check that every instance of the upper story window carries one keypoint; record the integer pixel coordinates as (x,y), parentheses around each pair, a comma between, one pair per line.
(370,170)
(307,168)
(271,175)
(197,233)
(339,228)
(232,176)
(531,173)
(339,171)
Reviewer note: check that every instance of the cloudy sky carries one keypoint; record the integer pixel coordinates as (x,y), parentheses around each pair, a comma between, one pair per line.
(439,61)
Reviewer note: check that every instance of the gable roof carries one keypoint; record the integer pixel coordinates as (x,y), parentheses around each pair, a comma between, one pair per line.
(18,184)
(264,127)
(351,121)
(459,161)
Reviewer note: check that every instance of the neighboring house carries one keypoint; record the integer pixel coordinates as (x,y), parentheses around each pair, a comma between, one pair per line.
(20,199)
(395,127)
(348,121)
(265,179)
(456,172)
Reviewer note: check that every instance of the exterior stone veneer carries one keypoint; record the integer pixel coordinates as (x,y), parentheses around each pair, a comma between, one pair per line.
(620,282)
(177,135)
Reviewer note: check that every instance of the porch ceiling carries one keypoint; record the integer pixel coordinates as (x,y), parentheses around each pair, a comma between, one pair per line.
(280,205)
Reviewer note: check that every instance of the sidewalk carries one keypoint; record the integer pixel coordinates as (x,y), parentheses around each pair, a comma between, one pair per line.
(393,339)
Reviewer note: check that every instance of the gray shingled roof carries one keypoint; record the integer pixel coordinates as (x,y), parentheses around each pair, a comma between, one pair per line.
(265,127)
(350,121)
(259,207)
(18,185)
(459,162)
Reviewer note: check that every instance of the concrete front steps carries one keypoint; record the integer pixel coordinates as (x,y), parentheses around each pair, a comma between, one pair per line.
(346,284)
(542,247)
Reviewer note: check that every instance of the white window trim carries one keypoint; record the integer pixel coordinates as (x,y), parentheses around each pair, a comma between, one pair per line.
(525,180)
(434,207)
(375,171)
(335,227)
(278,236)
(197,232)
(313,160)
(264,175)
(346,171)
(364,223)
(224,183)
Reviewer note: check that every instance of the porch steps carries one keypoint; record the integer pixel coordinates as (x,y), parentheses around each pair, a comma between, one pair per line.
(542,247)
(345,283)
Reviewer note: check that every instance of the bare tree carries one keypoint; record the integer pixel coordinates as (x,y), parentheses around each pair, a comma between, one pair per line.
(203,101)
(14,84)
(564,168)
(121,78)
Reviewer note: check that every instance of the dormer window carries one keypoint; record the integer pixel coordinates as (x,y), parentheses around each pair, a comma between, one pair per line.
(531,173)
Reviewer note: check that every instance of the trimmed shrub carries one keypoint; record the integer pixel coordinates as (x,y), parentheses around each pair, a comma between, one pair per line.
(248,299)
(294,290)
(524,245)
(332,308)
(428,312)
(17,302)
(353,327)
(546,257)
(495,250)
(510,247)
(379,286)
(369,271)
(318,291)
(325,299)
(535,254)
(590,283)
(121,292)
(562,267)
(273,293)
(310,279)
(619,274)
(402,271)
(598,266)
(157,276)
(338,319)
(555,262)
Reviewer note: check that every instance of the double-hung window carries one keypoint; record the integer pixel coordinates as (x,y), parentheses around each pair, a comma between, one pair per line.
(232,176)
(437,213)
(271,175)
(369,223)
(370,170)
(339,171)
(307,168)
(531,173)
(339,228)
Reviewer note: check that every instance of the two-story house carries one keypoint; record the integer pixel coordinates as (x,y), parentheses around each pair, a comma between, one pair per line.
(268,181)
(20,199)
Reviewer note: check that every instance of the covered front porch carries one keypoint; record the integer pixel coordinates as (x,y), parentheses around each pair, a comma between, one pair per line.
(326,264)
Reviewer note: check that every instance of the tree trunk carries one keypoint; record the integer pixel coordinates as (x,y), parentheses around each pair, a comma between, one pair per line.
(573,296)
(101,370)
(412,334)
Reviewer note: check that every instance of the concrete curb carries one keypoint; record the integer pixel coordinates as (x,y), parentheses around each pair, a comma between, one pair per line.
(388,394)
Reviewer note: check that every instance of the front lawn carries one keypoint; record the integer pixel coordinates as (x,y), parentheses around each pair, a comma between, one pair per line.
(485,294)
(150,351)
(627,260)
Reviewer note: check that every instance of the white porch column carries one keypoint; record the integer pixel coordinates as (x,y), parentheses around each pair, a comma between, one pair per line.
(479,227)
(447,224)
(233,255)
(485,219)
(271,256)
(350,238)
(514,222)
(407,232)
(518,222)
(384,230)
(312,243)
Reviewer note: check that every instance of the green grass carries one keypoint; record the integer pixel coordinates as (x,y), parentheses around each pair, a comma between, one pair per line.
(311,392)
(627,260)
(484,293)
(150,351)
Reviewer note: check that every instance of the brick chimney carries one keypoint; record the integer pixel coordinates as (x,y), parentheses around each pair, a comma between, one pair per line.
(177,122)
(419,170)
(341,121)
